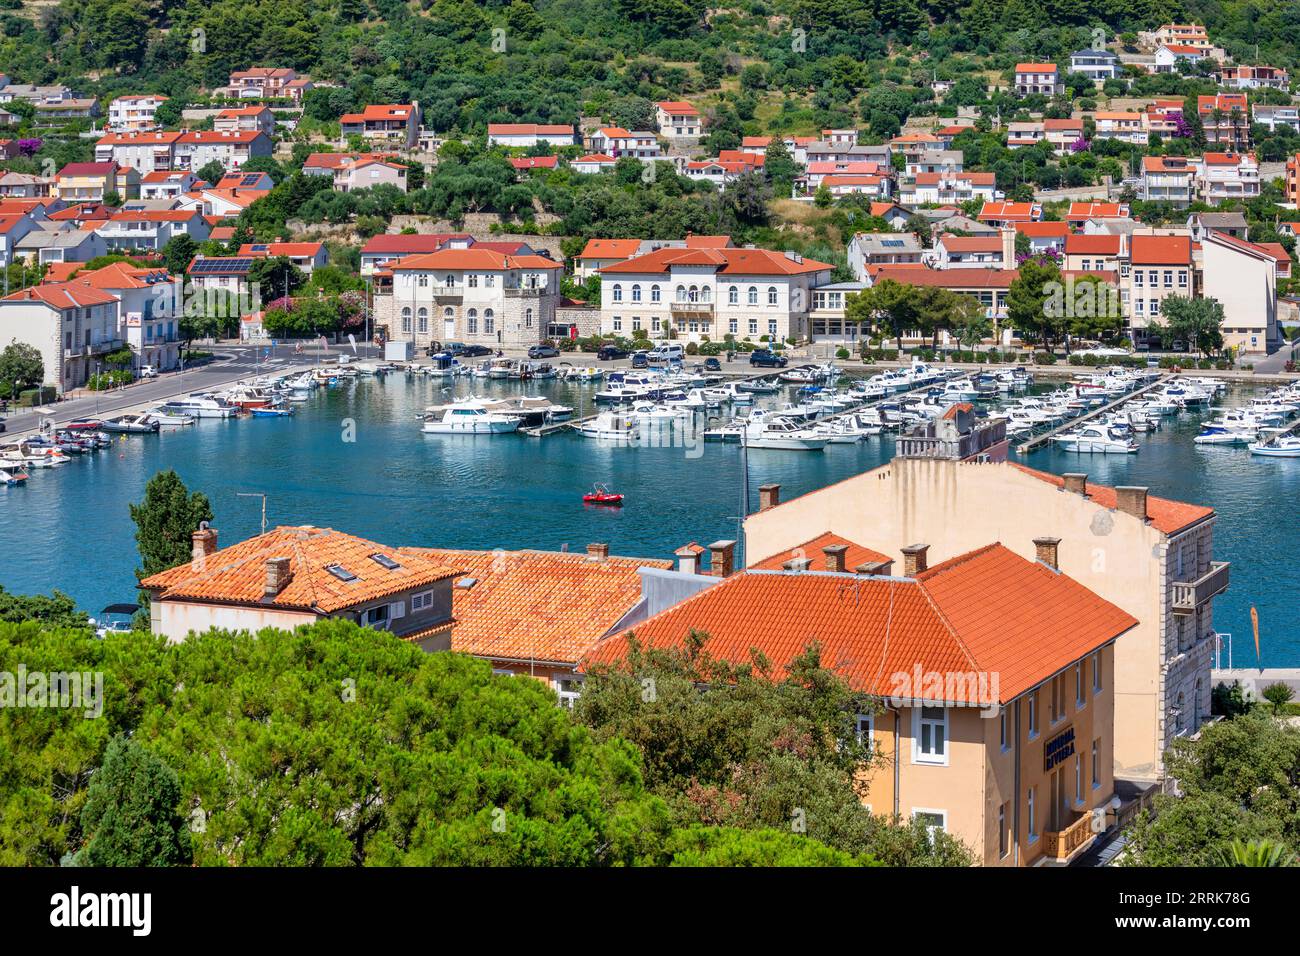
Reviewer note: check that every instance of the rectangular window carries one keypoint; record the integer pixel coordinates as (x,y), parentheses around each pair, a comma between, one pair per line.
(753,326)
(771,327)
(618,323)
(932,819)
(1004,846)
(1096,673)
(1096,765)
(421,601)
(375,615)
(864,724)
(1182,280)
(1002,729)
(1078,778)
(1137,276)
(1031,817)
(930,735)
(1032,704)
(1169,278)
(569,690)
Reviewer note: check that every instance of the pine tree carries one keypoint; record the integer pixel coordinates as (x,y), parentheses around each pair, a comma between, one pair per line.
(131,812)
(166,521)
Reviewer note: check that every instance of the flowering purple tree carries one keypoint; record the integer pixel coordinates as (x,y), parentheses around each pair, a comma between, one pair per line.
(29,147)
(1181,129)
(1080,145)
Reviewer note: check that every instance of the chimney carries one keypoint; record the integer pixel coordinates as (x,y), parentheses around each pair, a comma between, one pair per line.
(1008,247)
(1045,549)
(1132,500)
(1076,483)
(204,542)
(597,552)
(278,574)
(722,558)
(914,559)
(836,557)
(687,559)
(769,496)
(880,568)
(797,564)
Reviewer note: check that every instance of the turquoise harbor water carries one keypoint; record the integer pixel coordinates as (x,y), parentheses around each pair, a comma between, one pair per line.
(69,528)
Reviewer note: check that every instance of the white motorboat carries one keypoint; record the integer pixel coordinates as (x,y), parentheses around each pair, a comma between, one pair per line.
(1097,438)
(609,426)
(170,419)
(1279,446)
(12,473)
(781,434)
(843,431)
(469,420)
(1215,434)
(960,390)
(197,406)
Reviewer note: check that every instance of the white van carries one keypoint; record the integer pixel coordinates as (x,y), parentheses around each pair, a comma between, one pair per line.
(666,353)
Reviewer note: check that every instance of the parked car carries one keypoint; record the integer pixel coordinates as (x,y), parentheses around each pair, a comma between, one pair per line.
(451,348)
(473,351)
(640,360)
(711,364)
(609,353)
(543,351)
(148,371)
(768,359)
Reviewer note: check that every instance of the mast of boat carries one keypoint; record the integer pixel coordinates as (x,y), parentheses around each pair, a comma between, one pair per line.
(255,494)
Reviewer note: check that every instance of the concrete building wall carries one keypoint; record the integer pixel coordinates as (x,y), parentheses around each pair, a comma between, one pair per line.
(957,507)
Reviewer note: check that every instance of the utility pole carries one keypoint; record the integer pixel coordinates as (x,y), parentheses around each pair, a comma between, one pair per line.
(255,494)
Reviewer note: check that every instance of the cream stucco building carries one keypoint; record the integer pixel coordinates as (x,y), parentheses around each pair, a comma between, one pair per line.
(1150,556)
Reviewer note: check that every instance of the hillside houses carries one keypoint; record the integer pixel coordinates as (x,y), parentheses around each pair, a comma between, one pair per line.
(396,125)
(677,119)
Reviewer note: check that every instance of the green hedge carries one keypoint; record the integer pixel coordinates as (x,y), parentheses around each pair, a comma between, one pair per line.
(31,397)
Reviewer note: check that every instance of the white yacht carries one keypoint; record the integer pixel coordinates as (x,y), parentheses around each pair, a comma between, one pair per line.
(197,406)
(781,434)
(469,420)
(1279,446)
(1097,438)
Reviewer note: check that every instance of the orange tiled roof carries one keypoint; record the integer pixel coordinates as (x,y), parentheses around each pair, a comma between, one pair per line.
(1161,250)
(537,605)
(1079,244)
(487,260)
(62,295)
(989,611)
(1048,229)
(1167,516)
(237,575)
(856,556)
(610,249)
(747,262)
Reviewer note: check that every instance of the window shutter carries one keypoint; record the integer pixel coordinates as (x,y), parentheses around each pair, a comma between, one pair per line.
(396,610)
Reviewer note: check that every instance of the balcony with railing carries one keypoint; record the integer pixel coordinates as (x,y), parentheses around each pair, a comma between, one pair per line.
(448,293)
(1063,845)
(938,443)
(526,291)
(689,309)
(1190,595)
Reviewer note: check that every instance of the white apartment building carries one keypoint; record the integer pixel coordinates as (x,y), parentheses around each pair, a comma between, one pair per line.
(134,113)
(1241,276)
(1097,65)
(1224,176)
(618,142)
(231,149)
(1044,78)
(1155,268)
(1169,179)
(1286,117)
(152,229)
(72,325)
(145,152)
(470,295)
(523,135)
(677,119)
(951,188)
(694,293)
(245,118)
(1127,127)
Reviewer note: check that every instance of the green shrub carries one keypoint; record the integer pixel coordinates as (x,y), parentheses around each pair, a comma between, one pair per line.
(44,395)
(1044,358)
(692,348)
(842,353)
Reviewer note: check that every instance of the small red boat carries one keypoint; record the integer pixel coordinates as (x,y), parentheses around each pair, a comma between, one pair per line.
(600,495)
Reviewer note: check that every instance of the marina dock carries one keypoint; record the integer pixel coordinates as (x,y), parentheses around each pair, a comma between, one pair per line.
(1039,440)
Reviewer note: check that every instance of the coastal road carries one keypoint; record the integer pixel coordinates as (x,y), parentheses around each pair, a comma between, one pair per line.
(230,364)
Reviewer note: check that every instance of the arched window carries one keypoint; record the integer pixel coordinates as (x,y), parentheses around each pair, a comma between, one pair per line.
(693,294)
(681,293)
(450,281)
(422,317)
(771,295)
(471,321)
(706,294)
(636,293)
(752,296)
(654,293)
(618,292)
(733,296)
(449,313)
(488,322)
(528,318)
(406,319)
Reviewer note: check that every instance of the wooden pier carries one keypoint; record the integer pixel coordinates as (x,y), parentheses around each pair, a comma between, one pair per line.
(1039,440)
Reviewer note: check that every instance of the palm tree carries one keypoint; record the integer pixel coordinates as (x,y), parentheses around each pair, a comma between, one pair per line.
(1256,853)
